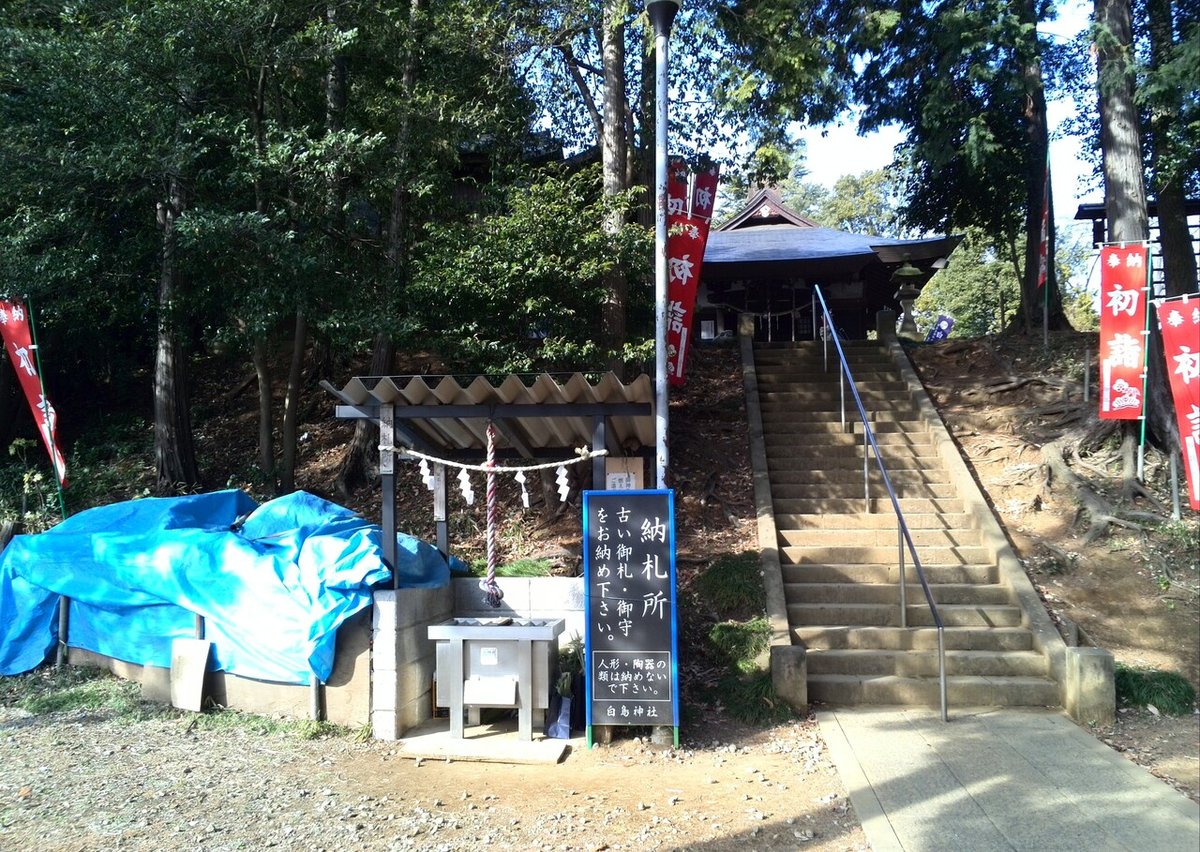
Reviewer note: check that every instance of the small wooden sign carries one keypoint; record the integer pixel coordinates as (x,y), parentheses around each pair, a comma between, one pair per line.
(189,662)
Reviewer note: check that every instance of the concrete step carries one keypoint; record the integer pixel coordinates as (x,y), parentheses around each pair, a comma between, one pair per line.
(921,539)
(877,507)
(884,573)
(817,452)
(925,663)
(948,594)
(884,520)
(853,474)
(798,425)
(963,691)
(832,554)
(775,412)
(849,490)
(818,358)
(821,354)
(804,377)
(801,398)
(919,615)
(814,461)
(894,441)
(804,388)
(913,638)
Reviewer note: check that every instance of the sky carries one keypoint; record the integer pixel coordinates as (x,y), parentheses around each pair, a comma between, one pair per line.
(831,152)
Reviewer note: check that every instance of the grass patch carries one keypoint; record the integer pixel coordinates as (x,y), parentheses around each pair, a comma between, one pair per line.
(740,642)
(1168,692)
(516,568)
(77,688)
(223,719)
(752,699)
(733,586)
(71,689)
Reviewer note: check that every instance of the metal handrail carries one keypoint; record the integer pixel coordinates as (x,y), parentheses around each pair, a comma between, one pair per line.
(905,538)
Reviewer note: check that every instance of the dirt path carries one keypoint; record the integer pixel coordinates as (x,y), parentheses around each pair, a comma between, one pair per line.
(82,781)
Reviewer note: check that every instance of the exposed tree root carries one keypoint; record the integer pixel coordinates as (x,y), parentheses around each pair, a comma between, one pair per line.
(1100,512)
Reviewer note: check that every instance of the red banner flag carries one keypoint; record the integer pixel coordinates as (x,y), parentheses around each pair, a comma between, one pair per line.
(704,193)
(1123,277)
(1180,324)
(18,340)
(685,254)
(686,240)
(1044,245)
(677,188)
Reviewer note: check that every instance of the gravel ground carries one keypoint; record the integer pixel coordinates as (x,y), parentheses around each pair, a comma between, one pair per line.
(82,781)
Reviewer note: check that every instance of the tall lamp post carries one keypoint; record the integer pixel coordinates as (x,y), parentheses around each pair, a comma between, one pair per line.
(662,15)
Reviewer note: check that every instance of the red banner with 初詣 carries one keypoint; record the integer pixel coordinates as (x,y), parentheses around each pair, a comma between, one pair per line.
(18,340)
(704,193)
(1180,324)
(687,238)
(1123,277)
(685,255)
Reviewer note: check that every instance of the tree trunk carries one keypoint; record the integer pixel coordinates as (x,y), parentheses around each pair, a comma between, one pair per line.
(266,432)
(1036,301)
(174,452)
(1120,144)
(363,452)
(291,406)
(1171,165)
(613,155)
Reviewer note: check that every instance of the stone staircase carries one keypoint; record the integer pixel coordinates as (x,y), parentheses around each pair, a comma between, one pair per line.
(838,546)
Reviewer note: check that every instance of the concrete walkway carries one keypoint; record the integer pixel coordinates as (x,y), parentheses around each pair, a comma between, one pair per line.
(999,779)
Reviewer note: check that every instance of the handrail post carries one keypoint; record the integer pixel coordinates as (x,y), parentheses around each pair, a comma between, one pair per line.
(903,582)
(942,670)
(866,469)
(842,396)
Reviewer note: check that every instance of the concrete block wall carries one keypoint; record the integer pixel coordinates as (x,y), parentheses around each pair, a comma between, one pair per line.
(526,598)
(345,698)
(403,657)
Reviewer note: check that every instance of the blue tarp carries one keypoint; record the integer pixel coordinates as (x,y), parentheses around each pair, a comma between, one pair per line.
(273,582)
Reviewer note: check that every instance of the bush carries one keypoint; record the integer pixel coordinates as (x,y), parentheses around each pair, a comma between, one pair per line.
(1167,692)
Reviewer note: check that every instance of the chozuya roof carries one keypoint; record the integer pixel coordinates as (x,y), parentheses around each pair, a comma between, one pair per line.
(767,231)
(532,413)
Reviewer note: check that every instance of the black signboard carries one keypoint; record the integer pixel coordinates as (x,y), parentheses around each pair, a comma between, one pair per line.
(631,642)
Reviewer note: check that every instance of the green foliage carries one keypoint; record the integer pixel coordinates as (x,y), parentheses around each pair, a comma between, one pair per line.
(867,203)
(752,699)
(28,491)
(516,568)
(520,290)
(741,642)
(1182,535)
(733,586)
(1167,692)
(978,289)
(571,657)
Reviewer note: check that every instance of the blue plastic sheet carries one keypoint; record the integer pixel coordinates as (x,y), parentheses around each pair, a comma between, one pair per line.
(273,582)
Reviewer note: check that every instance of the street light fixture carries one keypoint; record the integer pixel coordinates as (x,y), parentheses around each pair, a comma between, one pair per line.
(662,15)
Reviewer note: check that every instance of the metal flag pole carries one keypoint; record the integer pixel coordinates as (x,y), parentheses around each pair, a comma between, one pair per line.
(1141,455)
(662,15)
(64,602)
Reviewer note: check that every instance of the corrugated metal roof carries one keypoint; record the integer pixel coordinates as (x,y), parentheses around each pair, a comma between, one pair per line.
(446,414)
